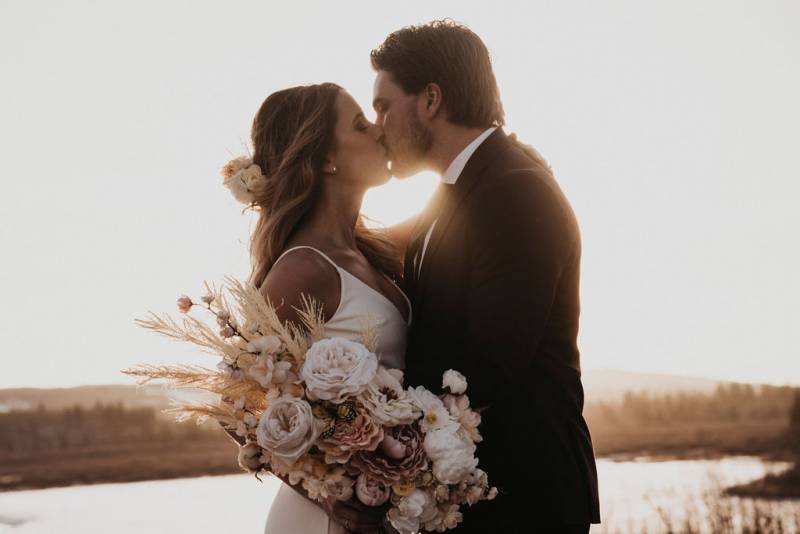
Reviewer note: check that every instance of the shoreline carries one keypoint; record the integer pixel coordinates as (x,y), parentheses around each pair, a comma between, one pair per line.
(209,459)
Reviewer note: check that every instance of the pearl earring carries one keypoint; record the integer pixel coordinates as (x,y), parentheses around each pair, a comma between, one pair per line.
(333,169)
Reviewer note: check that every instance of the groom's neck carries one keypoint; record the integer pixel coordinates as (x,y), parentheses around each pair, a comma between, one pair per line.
(448,142)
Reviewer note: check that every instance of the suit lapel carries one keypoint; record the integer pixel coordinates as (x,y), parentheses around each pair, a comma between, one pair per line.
(473,171)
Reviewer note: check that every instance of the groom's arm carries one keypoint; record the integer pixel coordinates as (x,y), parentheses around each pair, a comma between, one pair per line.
(524,247)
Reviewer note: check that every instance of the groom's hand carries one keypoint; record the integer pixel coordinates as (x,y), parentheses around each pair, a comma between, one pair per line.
(530,151)
(354,516)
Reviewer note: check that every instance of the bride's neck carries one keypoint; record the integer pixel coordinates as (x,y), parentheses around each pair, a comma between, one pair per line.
(332,220)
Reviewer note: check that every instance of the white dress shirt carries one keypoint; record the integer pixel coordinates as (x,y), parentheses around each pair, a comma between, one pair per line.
(450,176)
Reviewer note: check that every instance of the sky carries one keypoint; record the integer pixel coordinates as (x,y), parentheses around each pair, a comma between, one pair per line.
(672,128)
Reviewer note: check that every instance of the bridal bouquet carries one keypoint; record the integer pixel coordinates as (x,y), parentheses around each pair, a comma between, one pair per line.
(323,413)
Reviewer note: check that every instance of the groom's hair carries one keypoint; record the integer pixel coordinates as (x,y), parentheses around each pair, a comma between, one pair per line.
(451,56)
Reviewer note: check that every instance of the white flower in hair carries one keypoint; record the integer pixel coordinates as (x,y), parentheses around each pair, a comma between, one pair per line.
(242,177)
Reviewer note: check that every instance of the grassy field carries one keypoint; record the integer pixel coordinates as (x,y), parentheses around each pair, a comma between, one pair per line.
(118,464)
(759,438)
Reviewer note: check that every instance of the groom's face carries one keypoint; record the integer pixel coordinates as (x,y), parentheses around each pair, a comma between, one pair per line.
(406,138)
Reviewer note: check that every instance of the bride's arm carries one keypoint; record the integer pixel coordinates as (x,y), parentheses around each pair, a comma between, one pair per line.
(304,272)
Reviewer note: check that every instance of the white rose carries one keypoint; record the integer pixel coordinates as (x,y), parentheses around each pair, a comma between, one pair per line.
(454,381)
(287,429)
(453,456)
(387,402)
(417,507)
(337,368)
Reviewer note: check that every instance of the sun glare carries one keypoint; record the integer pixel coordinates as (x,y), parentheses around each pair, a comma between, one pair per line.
(398,200)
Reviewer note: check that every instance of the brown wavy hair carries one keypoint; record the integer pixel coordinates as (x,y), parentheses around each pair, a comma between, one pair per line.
(292,134)
(452,56)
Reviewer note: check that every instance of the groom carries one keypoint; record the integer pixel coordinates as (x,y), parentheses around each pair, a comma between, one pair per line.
(493,272)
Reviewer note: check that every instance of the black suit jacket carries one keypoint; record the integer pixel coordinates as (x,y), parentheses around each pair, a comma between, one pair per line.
(497,299)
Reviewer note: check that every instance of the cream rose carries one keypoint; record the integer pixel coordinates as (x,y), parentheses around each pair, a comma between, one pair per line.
(287,428)
(337,368)
(386,400)
(243,177)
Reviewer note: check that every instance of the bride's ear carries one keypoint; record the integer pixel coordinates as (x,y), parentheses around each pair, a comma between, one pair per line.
(431,100)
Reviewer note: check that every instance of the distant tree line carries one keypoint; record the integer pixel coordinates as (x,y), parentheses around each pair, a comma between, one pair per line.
(729,403)
(99,426)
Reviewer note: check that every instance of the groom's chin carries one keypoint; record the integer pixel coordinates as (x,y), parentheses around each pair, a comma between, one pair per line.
(402,172)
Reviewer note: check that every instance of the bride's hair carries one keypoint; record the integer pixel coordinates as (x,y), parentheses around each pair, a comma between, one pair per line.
(292,134)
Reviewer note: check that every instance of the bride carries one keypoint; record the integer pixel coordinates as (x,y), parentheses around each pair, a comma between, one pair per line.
(318,155)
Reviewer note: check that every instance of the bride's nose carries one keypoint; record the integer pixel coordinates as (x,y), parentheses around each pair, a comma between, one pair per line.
(377,133)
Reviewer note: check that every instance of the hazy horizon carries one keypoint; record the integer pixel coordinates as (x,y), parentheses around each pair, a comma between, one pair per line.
(671,129)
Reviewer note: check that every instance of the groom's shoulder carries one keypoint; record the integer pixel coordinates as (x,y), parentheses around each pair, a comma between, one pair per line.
(520,173)
(519,184)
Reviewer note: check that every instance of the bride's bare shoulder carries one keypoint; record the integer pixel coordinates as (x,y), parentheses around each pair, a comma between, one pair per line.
(302,272)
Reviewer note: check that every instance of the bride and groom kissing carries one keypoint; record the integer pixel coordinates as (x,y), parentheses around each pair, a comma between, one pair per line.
(485,280)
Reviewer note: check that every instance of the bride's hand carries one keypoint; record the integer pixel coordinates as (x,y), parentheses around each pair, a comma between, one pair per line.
(354,516)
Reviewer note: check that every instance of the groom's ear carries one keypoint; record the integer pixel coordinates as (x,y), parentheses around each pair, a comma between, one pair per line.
(431,98)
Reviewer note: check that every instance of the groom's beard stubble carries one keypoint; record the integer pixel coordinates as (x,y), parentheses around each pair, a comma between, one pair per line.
(413,146)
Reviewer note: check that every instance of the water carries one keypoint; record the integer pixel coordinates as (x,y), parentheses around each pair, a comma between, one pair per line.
(630,491)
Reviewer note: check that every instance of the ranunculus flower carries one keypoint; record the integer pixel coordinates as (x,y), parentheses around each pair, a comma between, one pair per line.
(454,381)
(184,304)
(287,428)
(386,400)
(391,470)
(350,436)
(372,492)
(337,368)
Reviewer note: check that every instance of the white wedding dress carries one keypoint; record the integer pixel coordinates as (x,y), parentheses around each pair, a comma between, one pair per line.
(291,513)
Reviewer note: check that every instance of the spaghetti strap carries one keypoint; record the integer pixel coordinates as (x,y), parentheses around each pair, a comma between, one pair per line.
(403,293)
(285,252)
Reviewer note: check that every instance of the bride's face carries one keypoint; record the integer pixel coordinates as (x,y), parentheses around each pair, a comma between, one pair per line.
(358,154)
